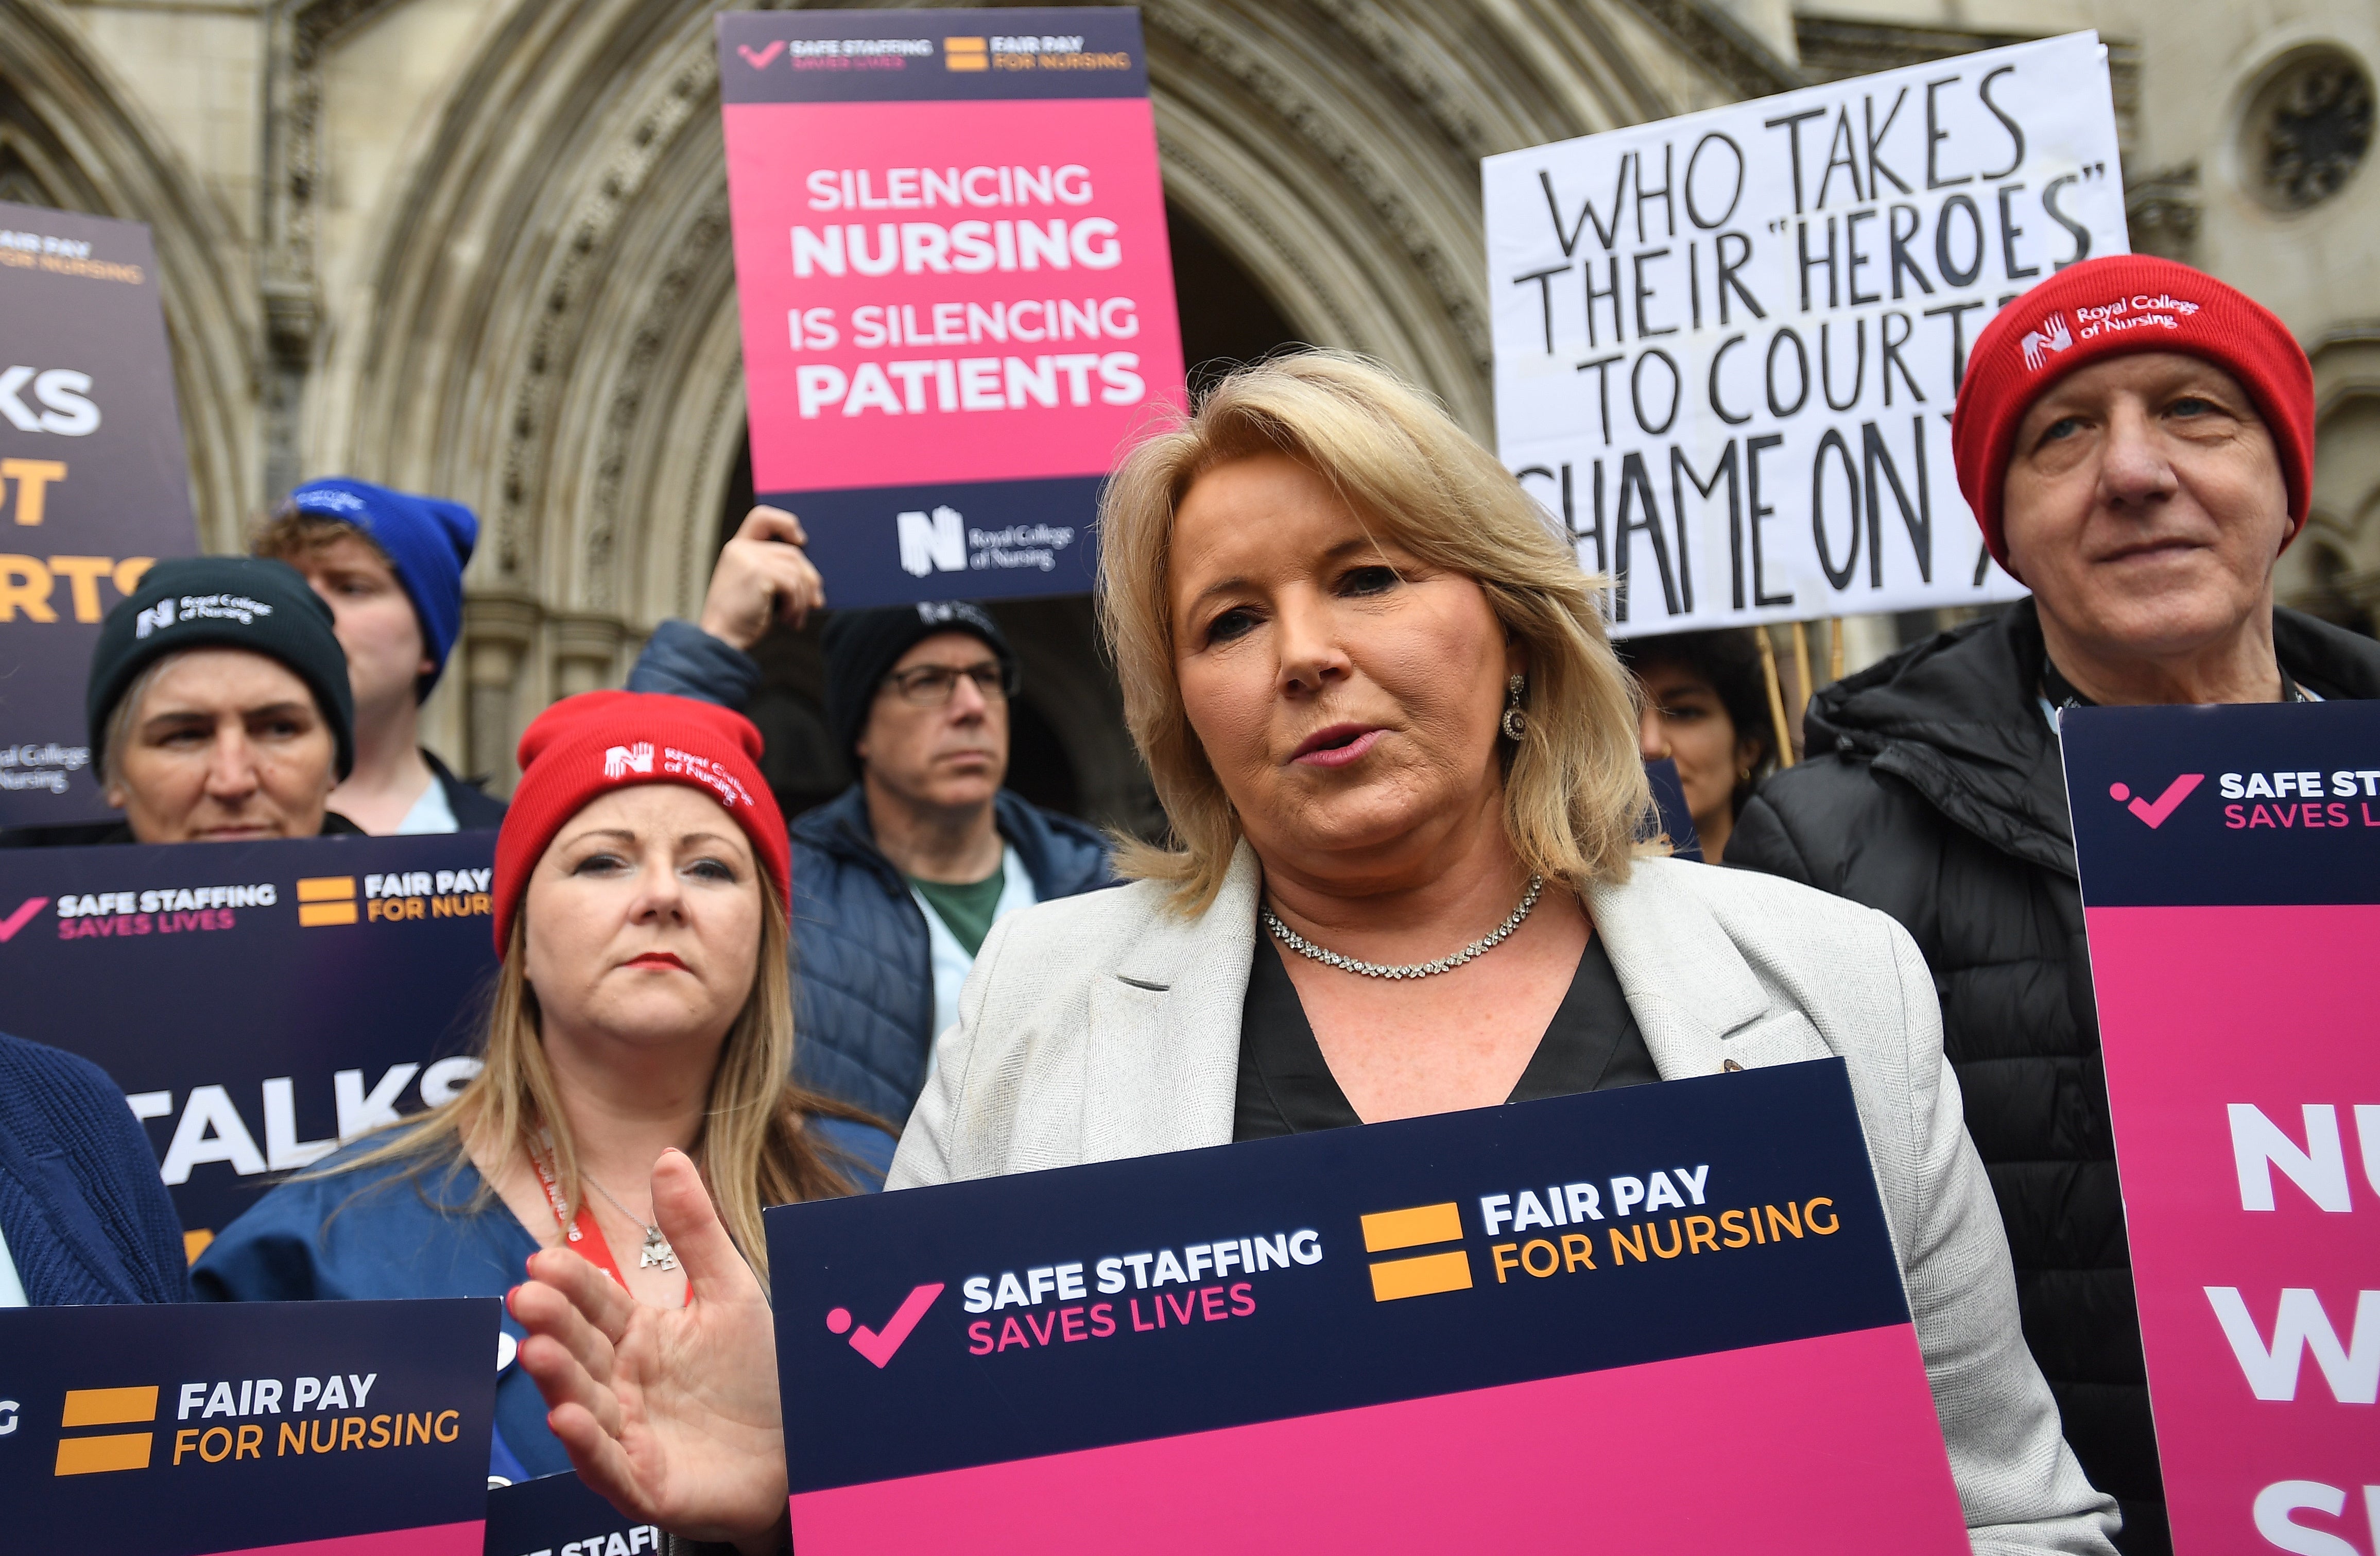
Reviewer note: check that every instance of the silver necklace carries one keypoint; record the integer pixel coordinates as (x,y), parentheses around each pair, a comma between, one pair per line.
(1479,947)
(657,1250)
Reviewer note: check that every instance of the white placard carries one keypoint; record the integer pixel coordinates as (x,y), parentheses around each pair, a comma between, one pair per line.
(1727,345)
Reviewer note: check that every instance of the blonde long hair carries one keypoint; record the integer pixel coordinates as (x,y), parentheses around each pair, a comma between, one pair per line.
(754,1149)
(1576,798)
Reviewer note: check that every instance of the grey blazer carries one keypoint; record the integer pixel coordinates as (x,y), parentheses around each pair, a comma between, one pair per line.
(1105,1026)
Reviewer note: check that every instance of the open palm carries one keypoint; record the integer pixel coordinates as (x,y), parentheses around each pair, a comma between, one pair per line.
(671,1413)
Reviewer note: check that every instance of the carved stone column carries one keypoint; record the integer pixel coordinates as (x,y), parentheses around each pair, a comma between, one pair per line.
(586,649)
(2162,212)
(498,630)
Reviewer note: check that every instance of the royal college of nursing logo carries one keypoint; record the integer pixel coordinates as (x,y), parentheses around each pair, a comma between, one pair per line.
(621,760)
(2045,342)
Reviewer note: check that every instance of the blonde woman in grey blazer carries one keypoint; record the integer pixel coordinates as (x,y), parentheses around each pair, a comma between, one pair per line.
(1399,761)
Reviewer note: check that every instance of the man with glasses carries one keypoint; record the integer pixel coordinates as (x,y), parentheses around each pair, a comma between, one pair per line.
(898,880)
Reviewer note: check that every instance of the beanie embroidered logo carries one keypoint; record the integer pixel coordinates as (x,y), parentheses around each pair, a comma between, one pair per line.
(2153,814)
(326,500)
(159,615)
(2053,337)
(702,770)
(621,760)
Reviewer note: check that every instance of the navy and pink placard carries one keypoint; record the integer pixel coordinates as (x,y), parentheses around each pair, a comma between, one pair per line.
(957,297)
(2230,871)
(93,486)
(1665,1317)
(258,1002)
(270,1428)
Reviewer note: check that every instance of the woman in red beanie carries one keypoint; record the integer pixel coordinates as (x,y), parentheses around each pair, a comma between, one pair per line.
(642,1008)
(2136,438)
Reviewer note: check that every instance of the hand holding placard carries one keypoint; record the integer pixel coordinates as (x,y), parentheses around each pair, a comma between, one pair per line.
(673,1416)
(763,578)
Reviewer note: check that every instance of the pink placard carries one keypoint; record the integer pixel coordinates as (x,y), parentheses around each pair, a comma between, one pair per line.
(2243,1077)
(949,291)
(1848,1441)
(441,1539)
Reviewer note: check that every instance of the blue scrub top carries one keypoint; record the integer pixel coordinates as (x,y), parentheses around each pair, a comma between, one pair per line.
(386,1232)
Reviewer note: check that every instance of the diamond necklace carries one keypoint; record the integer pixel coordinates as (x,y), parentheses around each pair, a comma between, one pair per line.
(1485,944)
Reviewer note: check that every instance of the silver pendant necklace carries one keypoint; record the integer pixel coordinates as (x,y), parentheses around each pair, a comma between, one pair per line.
(1479,947)
(657,1250)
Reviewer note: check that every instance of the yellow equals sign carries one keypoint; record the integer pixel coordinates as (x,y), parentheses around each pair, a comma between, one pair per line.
(326,899)
(966,53)
(1427,1274)
(112,1450)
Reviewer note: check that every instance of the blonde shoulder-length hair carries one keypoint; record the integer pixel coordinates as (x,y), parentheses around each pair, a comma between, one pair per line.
(754,1149)
(1575,798)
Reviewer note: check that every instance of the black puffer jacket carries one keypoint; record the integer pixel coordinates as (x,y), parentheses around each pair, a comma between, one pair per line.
(1934,791)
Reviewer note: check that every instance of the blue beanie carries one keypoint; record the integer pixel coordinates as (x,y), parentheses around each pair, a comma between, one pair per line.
(426,541)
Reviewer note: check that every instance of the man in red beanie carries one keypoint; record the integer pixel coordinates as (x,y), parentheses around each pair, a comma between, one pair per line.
(2136,438)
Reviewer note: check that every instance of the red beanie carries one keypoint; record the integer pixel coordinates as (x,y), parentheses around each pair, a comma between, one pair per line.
(587,746)
(2109,307)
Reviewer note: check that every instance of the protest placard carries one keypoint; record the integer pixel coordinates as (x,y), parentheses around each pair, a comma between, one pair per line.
(559,1515)
(957,298)
(258,1002)
(96,488)
(1728,344)
(1520,1328)
(2230,872)
(330,1429)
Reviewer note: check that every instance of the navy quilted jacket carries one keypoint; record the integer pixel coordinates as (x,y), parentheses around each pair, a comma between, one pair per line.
(863,972)
(87,1221)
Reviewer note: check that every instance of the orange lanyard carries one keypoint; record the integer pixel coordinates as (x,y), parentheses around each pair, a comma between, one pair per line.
(582,1233)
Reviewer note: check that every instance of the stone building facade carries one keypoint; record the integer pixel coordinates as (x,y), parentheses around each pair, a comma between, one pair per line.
(480,247)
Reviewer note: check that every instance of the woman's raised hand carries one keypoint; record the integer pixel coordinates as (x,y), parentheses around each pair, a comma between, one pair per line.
(670,1413)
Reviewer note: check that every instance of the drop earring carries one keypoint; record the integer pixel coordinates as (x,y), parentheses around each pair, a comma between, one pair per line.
(1517,724)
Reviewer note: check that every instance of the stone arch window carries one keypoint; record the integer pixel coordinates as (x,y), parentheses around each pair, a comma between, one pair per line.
(2308,128)
(18,184)
(35,168)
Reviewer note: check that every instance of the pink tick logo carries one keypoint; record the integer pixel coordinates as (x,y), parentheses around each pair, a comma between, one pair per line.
(879,1346)
(19,919)
(2155,812)
(758,58)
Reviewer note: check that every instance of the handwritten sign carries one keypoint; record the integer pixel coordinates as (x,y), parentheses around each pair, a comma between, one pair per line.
(1728,344)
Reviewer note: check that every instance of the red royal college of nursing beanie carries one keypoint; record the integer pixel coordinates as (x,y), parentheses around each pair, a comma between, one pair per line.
(2113,307)
(587,746)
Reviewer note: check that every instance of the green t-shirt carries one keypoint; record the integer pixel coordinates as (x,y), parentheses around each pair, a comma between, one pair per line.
(965,907)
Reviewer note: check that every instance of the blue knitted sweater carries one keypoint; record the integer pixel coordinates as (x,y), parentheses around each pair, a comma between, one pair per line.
(87,1219)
